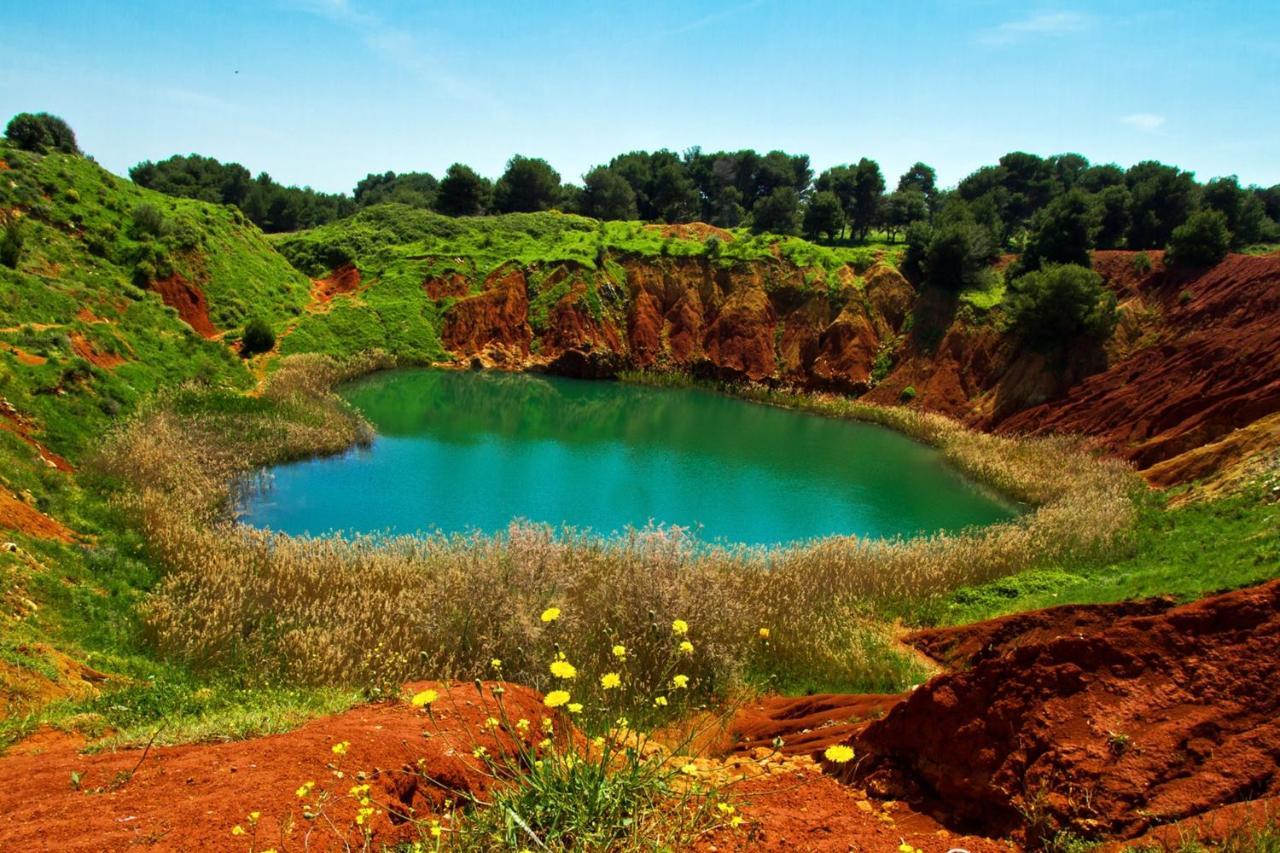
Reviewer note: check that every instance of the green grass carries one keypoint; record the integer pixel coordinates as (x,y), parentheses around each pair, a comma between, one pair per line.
(1187,552)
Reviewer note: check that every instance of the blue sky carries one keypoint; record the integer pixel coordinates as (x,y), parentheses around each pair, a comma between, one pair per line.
(321,92)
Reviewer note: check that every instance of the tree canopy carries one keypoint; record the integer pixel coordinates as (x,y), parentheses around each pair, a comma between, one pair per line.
(41,133)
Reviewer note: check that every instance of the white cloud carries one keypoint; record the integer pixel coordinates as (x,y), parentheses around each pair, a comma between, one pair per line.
(1143,121)
(1044,24)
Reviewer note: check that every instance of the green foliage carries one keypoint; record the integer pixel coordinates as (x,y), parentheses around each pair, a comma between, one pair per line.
(959,249)
(1245,212)
(416,189)
(778,213)
(1052,307)
(527,186)
(907,394)
(1162,198)
(41,133)
(11,243)
(148,221)
(1202,241)
(1142,263)
(823,215)
(607,195)
(258,337)
(462,192)
(1062,233)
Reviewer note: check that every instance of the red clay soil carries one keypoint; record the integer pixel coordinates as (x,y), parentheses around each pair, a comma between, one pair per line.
(12,421)
(449,284)
(189,301)
(494,322)
(84,348)
(1217,367)
(16,515)
(699,231)
(344,279)
(806,724)
(191,797)
(1107,732)
(24,357)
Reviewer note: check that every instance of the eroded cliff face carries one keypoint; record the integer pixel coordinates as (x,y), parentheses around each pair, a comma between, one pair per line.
(1194,357)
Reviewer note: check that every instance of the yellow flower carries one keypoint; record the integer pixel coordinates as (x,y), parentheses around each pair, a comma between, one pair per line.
(680,627)
(661,701)
(735,821)
(686,647)
(479,752)
(304,790)
(679,681)
(237,830)
(424,698)
(491,723)
(545,743)
(575,707)
(563,669)
(496,663)
(610,680)
(764,633)
(556,698)
(341,748)
(547,725)
(522,724)
(690,769)
(621,722)
(619,652)
(253,816)
(435,829)
(551,614)
(839,754)
(725,808)
(598,740)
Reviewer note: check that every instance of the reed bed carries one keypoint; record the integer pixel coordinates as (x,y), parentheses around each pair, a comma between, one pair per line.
(379,611)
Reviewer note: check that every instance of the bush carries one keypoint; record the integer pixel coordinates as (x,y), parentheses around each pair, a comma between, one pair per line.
(1142,263)
(148,221)
(1201,241)
(907,394)
(41,133)
(1053,306)
(258,337)
(11,244)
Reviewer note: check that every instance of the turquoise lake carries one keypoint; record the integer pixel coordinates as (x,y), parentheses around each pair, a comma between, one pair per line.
(458,452)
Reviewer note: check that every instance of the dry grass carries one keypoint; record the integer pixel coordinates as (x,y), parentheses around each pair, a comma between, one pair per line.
(378,612)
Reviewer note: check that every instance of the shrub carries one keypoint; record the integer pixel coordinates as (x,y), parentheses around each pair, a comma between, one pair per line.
(1142,263)
(258,337)
(11,244)
(1201,241)
(908,394)
(41,133)
(1053,306)
(148,221)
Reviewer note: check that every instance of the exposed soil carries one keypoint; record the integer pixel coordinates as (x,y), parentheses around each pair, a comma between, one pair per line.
(699,231)
(19,516)
(492,327)
(84,348)
(24,357)
(344,279)
(1104,724)
(189,301)
(60,676)
(12,421)
(190,797)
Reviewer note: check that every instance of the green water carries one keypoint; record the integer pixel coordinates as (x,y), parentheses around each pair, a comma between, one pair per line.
(474,451)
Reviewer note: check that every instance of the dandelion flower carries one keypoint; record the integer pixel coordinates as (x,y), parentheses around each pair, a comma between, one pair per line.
(679,681)
(253,816)
(424,698)
(660,701)
(340,748)
(689,769)
(575,707)
(764,633)
(686,647)
(551,614)
(838,754)
(237,830)
(619,651)
(496,663)
(610,680)
(563,669)
(680,627)
(556,698)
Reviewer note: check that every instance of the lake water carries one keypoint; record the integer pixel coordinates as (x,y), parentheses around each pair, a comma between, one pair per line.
(473,451)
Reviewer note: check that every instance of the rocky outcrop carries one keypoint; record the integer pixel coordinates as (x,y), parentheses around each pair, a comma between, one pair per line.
(492,326)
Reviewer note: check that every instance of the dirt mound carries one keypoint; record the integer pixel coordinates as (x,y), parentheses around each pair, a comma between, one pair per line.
(344,279)
(189,301)
(190,797)
(806,724)
(1146,720)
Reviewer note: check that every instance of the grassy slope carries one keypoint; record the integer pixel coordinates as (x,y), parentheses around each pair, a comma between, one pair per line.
(79,253)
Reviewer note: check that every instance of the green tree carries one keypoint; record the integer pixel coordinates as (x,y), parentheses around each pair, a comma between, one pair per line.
(462,192)
(823,215)
(11,243)
(918,237)
(1244,211)
(257,338)
(416,189)
(901,208)
(1201,241)
(1062,233)
(1113,216)
(920,177)
(607,195)
(868,190)
(528,185)
(41,133)
(778,212)
(1161,199)
(959,249)
(1052,307)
